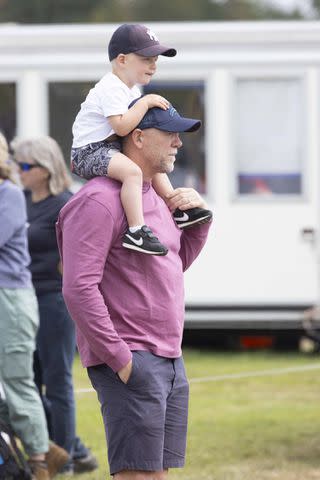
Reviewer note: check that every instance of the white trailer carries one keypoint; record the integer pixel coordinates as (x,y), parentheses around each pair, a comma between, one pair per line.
(256,85)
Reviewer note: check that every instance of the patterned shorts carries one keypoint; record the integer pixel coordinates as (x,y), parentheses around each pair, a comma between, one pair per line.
(93,160)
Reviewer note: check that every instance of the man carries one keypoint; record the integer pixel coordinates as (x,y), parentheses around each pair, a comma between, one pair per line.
(129,308)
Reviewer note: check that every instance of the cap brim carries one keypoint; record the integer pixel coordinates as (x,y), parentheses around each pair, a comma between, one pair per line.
(156,50)
(181,124)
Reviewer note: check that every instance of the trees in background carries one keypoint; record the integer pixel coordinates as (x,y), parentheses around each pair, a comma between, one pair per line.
(96,11)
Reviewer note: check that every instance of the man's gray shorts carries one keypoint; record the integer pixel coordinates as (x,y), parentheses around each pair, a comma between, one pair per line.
(146,419)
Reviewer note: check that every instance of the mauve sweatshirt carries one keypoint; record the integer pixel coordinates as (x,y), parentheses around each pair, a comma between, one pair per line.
(119,299)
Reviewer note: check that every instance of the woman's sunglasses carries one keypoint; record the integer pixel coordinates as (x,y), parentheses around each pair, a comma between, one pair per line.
(25,167)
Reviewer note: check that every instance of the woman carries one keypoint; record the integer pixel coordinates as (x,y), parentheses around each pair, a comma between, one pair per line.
(44,175)
(22,408)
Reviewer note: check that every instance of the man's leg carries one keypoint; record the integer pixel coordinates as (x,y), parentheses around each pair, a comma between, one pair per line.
(176,421)
(134,416)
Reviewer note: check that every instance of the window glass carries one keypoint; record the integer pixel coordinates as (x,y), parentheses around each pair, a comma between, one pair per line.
(8,114)
(188,99)
(269,136)
(65,99)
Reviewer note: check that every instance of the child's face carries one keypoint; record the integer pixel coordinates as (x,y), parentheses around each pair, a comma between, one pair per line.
(140,70)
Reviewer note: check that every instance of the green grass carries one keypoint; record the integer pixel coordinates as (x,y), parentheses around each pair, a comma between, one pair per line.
(258,428)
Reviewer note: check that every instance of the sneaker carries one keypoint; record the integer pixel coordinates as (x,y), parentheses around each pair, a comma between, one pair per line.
(193,216)
(39,470)
(144,241)
(87,463)
(56,458)
(67,470)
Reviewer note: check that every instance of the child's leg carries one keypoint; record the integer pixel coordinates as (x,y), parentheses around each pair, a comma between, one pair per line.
(162,185)
(121,168)
(186,217)
(140,238)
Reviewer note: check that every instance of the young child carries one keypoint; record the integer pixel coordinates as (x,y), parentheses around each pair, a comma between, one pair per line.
(104,117)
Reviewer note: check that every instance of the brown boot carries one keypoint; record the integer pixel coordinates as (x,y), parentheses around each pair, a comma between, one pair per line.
(56,458)
(39,470)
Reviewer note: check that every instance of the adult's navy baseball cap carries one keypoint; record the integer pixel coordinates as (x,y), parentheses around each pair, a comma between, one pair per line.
(135,38)
(167,120)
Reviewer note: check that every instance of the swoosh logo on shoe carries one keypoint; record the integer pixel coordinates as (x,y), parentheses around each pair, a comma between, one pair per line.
(184,218)
(137,242)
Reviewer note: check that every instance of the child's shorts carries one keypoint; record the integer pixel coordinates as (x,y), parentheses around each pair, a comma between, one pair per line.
(93,160)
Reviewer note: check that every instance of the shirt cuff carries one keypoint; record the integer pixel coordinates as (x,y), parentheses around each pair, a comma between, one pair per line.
(121,359)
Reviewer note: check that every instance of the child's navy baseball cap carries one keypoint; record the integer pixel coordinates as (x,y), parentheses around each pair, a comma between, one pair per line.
(135,38)
(167,120)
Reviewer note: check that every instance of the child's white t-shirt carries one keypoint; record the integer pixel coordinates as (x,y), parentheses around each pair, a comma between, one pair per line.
(110,96)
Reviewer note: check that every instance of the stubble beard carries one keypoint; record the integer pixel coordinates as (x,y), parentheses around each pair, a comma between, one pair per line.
(166,166)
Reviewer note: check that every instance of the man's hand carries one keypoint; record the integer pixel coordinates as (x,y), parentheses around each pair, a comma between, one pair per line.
(154,100)
(185,198)
(125,372)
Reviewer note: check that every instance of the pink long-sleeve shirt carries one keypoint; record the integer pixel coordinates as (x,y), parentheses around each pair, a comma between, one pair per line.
(119,299)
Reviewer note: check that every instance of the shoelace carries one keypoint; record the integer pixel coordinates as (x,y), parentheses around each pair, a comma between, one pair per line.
(147,232)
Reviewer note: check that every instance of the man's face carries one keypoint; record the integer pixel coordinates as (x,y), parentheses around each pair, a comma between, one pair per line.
(160,148)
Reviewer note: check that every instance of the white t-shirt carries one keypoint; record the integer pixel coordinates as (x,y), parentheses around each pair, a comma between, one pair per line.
(110,96)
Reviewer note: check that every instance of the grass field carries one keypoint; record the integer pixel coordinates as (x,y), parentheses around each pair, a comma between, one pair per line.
(261,427)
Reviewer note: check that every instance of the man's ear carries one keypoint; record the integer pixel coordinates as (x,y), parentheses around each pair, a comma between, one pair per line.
(137,137)
(121,58)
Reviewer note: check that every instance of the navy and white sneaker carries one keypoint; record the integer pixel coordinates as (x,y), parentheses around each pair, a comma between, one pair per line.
(144,241)
(191,217)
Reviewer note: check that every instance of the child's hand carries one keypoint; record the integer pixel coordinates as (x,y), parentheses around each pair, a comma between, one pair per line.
(154,100)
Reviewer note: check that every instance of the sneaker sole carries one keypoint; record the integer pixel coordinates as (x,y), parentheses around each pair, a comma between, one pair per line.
(85,465)
(200,221)
(138,249)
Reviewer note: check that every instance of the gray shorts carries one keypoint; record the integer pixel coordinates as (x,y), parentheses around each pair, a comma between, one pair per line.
(146,419)
(93,160)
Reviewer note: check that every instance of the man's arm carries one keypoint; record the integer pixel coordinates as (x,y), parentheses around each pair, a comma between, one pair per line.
(193,239)
(85,232)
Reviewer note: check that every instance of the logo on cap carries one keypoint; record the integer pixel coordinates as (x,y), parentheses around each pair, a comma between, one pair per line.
(172,112)
(152,35)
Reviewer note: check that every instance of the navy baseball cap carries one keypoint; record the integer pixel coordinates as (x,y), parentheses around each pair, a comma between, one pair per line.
(167,120)
(135,38)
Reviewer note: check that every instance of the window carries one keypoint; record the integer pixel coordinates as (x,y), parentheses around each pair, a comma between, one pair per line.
(8,114)
(65,99)
(269,136)
(188,99)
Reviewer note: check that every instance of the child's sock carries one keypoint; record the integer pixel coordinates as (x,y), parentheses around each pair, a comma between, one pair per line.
(135,229)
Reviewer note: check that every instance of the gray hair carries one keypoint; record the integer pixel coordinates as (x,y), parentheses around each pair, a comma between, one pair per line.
(46,152)
(6,171)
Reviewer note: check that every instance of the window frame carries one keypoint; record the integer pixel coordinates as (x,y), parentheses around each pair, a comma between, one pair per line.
(270,74)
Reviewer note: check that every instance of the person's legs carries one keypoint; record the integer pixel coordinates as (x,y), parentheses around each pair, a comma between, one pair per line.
(176,421)
(56,349)
(134,416)
(83,458)
(121,168)
(22,406)
(38,380)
